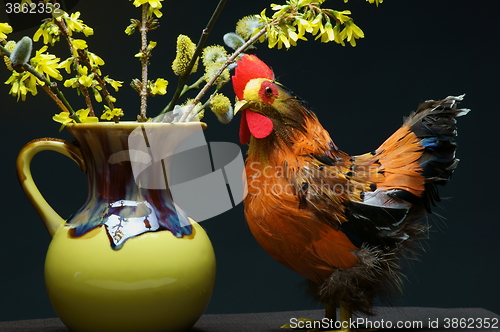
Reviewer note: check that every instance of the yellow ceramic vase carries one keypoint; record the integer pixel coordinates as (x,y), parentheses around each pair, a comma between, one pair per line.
(129,259)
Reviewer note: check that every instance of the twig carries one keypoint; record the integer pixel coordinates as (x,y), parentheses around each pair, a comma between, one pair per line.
(54,97)
(144,63)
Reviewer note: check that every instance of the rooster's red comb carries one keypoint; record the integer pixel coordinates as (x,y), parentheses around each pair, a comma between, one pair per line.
(248,68)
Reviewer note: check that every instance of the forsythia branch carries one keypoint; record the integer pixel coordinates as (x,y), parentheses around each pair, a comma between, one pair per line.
(144,64)
(49,87)
(64,30)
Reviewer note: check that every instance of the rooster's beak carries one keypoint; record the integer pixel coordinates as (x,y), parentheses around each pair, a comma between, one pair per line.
(240,106)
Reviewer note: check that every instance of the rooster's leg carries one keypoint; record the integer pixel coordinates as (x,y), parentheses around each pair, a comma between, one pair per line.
(344,320)
(331,312)
(331,315)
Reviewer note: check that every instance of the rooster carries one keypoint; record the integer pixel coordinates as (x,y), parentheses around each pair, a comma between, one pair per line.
(344,222)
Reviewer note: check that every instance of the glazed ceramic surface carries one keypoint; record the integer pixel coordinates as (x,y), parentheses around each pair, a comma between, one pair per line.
(129,259)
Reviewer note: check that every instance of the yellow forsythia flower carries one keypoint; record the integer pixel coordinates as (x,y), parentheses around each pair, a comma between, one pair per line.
(67,64)
(79,44)
(73,23)
(19,87)
(49,31)
(115,84)
(83,78)
(63,118)
(97,94)
(4,29)
(109,114)
(154,6)
(159,87)
(46,63)
(95,59)
(352,32)
(83,114)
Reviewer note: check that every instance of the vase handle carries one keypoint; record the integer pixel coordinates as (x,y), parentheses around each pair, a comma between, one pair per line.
(52,220)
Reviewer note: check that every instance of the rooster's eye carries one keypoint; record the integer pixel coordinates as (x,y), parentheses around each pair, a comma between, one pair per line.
(268,91)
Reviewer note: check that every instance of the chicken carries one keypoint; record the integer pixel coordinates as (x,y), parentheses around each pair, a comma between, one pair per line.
(344,222)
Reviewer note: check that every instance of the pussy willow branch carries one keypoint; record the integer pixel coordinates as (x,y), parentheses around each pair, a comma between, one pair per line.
(230,60)
(49,87)
(144,63)
(199,47)
(195,85)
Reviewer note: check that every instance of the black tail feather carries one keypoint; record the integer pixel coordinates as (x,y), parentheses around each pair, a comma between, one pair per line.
(434,123)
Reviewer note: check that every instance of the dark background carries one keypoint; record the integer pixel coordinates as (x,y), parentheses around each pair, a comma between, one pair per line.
(413,51)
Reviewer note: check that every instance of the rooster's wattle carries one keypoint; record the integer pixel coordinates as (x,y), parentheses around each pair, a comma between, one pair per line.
(344,222)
